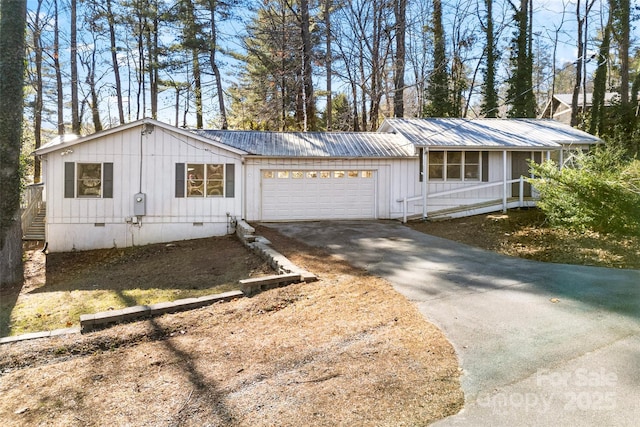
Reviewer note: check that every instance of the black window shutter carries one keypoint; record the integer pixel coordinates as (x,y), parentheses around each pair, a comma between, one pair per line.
(230,180)
(69,180)
(107,180)
(485,166)
(180,176)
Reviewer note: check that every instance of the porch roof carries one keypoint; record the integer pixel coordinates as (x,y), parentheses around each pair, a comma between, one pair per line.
(513,134)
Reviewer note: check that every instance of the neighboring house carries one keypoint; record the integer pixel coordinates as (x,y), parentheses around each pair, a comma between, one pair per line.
(559,106)
(148,182)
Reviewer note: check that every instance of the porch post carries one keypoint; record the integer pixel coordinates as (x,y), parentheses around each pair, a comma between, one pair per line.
(504,181)
(425,177)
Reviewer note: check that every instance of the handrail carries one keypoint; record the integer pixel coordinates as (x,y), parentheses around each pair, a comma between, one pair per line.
(406,200)
(475,187)
(32,202)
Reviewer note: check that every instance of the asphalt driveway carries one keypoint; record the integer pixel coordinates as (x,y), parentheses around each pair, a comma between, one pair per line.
(540,344)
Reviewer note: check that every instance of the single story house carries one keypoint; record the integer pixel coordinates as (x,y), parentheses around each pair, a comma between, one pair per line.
(149,182)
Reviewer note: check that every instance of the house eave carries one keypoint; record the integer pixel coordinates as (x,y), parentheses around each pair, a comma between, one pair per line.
(127,126)
(260,156)
(490,147)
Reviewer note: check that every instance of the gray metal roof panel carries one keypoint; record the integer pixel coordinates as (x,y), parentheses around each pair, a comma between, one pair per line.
(567,98)
(489,133)
(313,144)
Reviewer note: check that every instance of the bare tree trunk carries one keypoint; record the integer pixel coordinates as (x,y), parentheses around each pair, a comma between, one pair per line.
(141,66)
(581,61)
(90,64)
(356,119)
(585,43)
(328,61)
(177,105)
(553,63)
(307,71)
(151,33)
(114,61)
(156,67)
(197,83)
(214,66)
(363,87)
(378,61)
(38,102)
(400,11)
(12,67)
(75,106)
(283,85)
(56,66)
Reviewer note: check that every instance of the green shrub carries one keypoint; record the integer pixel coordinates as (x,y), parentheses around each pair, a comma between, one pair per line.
(598,190)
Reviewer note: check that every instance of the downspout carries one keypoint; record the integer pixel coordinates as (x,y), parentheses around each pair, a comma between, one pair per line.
(504,181)
(243,202)
(425,177)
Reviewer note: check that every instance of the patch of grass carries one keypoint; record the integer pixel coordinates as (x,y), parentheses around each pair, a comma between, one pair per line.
(62,309)
(60,287)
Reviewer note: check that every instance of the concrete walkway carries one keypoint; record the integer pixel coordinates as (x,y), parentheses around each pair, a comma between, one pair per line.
(540,344)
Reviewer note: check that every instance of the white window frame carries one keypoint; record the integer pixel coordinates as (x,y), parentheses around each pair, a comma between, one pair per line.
(463,165)
(83,182)
(198,187)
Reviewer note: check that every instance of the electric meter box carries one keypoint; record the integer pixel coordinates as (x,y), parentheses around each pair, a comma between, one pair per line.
(140,204)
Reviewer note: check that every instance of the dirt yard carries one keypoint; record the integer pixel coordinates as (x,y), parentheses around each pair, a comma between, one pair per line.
(70,284)
(346,350)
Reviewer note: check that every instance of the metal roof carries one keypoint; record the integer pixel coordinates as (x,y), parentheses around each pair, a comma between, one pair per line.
(68,141)
(59,141)
(313,144)
(488,133)
(567,98)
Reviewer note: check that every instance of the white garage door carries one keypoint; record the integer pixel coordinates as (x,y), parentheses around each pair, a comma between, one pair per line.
(318,194)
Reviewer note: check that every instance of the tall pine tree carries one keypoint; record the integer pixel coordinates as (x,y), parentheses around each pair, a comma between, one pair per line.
(520,94)
(489,106)
(438,96)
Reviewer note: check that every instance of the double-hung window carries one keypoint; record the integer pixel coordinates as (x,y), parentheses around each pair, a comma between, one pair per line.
(454,165)
(205,180)
(88,180)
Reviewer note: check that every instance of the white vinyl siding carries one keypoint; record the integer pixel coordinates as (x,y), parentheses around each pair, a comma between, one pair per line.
(71,222)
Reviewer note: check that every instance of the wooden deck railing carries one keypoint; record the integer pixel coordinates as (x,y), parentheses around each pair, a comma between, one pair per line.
(30,203)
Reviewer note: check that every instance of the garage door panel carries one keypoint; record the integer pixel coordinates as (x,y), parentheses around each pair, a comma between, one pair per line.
(343,195)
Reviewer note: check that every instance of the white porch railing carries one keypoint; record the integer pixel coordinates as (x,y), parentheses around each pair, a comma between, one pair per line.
(406,200)
(30,203)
